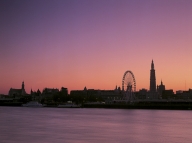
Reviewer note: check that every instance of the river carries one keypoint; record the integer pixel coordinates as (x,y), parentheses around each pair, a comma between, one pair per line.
(84,125)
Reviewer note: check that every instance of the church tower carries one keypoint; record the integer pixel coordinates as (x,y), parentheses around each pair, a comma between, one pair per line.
(152,78)
(160,88)
(23,89)
(23,86)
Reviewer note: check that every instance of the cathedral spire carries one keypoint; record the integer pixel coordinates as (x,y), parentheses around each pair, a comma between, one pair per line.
(152,78)
(23,88)
(152,64)
(23,85)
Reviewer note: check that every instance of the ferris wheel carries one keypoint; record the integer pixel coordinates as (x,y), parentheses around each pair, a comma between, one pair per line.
(128,82)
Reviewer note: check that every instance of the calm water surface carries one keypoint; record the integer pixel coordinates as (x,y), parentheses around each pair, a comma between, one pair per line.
(61,125)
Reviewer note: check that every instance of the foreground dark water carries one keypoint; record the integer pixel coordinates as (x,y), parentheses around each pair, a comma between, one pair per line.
(60,125)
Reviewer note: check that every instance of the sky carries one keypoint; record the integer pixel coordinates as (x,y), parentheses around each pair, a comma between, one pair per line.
(92,43)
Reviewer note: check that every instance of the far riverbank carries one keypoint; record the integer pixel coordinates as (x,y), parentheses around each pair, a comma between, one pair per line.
(180,105)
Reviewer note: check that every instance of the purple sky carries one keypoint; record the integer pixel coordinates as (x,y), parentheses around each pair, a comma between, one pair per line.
(78,43)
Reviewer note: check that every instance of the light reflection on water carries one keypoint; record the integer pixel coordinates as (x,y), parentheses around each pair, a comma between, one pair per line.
(58,125)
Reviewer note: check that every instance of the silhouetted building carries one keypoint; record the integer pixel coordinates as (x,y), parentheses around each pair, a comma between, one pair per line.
(160,88)
(186,95)
(118,89)
(152,78)
(17,92)
(179,91)
(168,94)
(78,93)
(92,95)
(35,94)
(50,91)
(152,94)
(142,94)
(64,90)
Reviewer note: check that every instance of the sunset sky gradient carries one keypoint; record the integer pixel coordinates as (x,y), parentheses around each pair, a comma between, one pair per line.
(78,43)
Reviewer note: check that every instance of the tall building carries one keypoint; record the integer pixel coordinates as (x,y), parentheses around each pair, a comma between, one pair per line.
(152,94)
(152,78)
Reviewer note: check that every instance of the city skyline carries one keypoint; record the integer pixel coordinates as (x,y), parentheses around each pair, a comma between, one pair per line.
(92,43)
